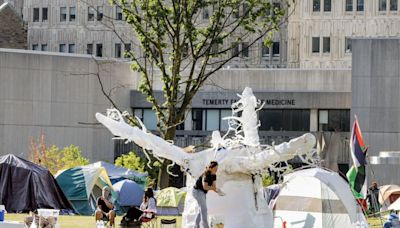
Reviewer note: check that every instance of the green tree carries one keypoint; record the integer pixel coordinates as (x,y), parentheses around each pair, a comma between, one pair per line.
(53,158)
(134,162)
(184,42)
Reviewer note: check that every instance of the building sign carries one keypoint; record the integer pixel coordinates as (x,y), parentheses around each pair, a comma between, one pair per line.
(268,102)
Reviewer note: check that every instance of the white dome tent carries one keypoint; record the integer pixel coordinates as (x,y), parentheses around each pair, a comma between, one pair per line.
(317,198)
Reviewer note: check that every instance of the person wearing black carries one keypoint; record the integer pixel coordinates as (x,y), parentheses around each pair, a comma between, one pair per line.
(372,196)
(205,183)
(147,209)
(105,206)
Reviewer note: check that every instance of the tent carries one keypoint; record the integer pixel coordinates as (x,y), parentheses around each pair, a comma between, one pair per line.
(116,173)
(395,205)
(170,201)
(387,195)
(83,185)
(25,186)
(129,193)
(317,198)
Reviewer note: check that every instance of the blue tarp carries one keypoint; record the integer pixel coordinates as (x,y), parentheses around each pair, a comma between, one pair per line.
(130,193)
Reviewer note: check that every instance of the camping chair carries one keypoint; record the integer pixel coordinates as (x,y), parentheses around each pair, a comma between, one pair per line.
(170,223)
(149,222)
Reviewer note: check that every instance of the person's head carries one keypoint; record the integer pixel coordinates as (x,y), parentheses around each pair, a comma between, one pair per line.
(149,193)
(213,167)
(105,192)
(374,184)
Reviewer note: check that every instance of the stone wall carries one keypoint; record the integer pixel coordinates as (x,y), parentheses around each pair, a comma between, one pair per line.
(12,30)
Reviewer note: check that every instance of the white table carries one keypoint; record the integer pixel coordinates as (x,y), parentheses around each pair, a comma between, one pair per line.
(11,224)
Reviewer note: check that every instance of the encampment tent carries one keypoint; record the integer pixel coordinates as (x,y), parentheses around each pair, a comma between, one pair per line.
(25,186)
(129,193)
(317,198)
(387,195)
(116,173)
(83,185)
(170,201)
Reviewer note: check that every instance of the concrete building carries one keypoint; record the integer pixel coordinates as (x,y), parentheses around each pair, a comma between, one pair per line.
(58,94)
(317,35)
(320,32)
(87,27)
(375,101)
(13,33)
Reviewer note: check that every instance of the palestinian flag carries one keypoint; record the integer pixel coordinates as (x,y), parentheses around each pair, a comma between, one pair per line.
(357,181)
(356,175)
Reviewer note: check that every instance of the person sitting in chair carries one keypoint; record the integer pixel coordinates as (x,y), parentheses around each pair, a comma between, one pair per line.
(147,209)
(105,207)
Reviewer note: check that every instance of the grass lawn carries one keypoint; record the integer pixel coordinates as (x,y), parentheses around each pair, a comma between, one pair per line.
(81,221)
(88,221)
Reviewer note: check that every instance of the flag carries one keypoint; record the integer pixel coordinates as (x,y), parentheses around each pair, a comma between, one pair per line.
(357,175)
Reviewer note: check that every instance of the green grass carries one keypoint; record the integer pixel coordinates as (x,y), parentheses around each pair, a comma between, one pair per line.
(88,221)
(82,221)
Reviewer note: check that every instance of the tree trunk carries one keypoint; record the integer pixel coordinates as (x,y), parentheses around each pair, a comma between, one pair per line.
(163,176)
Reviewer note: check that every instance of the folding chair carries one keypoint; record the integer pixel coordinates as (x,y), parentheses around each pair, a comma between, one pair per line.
(149,222)
(168,223)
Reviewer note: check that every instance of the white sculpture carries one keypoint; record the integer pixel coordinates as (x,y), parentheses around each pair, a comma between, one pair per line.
(240,164)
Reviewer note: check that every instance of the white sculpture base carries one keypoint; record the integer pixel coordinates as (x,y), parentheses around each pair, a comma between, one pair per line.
(237,209)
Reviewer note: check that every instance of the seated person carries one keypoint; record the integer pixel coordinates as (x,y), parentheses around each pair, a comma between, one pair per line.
(392,221)
(147,209)
(105,206)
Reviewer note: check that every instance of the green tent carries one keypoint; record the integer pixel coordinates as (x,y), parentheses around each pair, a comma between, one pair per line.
(83,185)
(170,197)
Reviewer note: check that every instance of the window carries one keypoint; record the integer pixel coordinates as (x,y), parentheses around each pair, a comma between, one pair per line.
(99,50)
(327,6)
(117,50)
(334,120)
(315,45)
(90,14)
(35,14)
(347,44)
(89,49)
(382,5)
(150,119)
(214,48)
(349,5)
(277,7)
(118,14)
(212,119)
(44,47)
(284,120)
(360,5)
(35,47)
(246,10)
(206,14)
(72,13)
(63,14)
(224,123)
(264,50)
(44,14)
(316,5)
(275,49)
(393,5)
(245,49)
(326,44)
(235,50)
(71,48)
(61,48)
(99,13)
(197,119)
(128,48)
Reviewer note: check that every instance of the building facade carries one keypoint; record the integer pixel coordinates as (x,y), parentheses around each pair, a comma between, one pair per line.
(89,27)
(320,32)
(13,32)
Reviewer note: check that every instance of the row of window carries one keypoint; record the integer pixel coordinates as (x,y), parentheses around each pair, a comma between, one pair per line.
(326,5)
(270,119)
(326,45)
(358,5)
(69,14)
